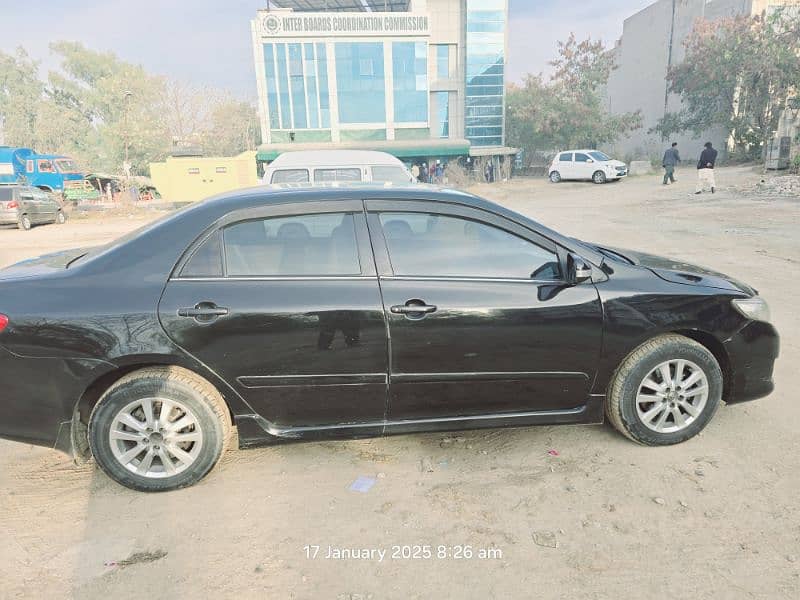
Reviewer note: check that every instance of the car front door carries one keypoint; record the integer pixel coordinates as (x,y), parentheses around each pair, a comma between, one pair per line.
(45,205)
(283,303)
(481,320)
(583,166)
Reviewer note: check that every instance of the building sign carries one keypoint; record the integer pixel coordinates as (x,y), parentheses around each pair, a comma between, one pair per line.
(289,24)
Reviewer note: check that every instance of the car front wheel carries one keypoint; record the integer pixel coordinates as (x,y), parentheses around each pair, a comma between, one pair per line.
(599,177)
(665,391)
(159,429)
(61,218)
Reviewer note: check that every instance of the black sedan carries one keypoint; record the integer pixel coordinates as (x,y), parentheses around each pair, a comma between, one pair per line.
(311,313)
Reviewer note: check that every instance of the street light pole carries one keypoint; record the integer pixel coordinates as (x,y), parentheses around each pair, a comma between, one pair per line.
(126,166)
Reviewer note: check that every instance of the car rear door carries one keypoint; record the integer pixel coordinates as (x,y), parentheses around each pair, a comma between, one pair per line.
(283,303)
(565,165)
(481,321)
(28,205)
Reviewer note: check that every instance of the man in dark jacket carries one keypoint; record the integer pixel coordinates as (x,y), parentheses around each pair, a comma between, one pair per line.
(669,162)
(705,169)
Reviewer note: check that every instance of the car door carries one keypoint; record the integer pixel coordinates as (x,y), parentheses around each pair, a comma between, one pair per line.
(28,205)
(583,167)
(283,303)
(45,207)
(565,165)
(481,321)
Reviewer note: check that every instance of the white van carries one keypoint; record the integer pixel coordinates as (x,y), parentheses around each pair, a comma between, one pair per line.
(325,167)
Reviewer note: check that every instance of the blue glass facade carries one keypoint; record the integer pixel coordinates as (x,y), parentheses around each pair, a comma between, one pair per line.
(410,77)
(485,90)
(360,82)
(297,86)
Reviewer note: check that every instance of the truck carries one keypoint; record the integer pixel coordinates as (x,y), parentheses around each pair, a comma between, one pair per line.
(49,172)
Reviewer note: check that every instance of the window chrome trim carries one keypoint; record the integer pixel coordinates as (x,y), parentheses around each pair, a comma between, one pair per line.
(281,278)
(445,278)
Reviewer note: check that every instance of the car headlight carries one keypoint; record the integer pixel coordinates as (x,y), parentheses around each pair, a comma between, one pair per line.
(755,308)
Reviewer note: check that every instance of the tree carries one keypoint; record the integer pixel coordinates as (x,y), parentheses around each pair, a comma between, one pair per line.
(737,74)
(568,110)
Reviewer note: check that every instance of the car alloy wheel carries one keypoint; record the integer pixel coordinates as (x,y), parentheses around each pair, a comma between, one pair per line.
(61,218)
(672,395)
(25,222)
(555,176)
(156,437)
(599,177)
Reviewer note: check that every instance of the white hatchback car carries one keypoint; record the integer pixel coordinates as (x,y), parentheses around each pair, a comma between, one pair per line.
(586,164)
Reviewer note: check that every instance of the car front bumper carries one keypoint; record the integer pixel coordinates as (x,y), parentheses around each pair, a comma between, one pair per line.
(752,352)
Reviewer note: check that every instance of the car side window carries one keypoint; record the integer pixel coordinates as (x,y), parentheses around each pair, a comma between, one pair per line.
(290,176)
(45,166)
(581,157)
(431,245)
(330,175)
(318,244)
(565,157)
(206,261)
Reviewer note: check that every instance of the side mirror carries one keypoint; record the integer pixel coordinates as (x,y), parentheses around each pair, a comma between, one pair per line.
(589,160)
(578,270)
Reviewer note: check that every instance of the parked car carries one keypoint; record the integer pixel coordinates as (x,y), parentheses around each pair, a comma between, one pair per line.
(586,164)
(26,206)
(326,167)
(360,311)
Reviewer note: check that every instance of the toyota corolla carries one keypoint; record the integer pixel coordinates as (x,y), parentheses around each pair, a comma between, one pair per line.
(319,313)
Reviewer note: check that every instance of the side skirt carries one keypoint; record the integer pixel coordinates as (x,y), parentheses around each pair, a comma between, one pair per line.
(254,430)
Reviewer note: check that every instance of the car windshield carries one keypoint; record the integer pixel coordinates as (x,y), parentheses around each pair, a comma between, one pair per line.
(66,165)
(599,155)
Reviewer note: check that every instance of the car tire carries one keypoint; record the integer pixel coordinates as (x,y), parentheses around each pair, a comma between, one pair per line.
(599,177)
(24,223)
(147,456)
(555,177)
(655,422)
(61,218)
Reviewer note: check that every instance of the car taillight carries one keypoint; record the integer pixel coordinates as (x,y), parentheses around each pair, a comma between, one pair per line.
(12,204)
(3,322)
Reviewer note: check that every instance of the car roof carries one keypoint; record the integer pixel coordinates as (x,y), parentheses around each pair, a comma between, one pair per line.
(345,158)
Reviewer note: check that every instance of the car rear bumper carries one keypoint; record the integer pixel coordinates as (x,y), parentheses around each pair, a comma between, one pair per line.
(8,216)
(752,352)
(39,396)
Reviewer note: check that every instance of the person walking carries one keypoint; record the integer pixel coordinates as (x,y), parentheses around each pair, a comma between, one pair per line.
(439,172)
(705,169)
(423,174)
(669,162)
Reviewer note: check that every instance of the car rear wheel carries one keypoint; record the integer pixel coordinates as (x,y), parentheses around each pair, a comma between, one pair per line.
(555,176)
(665,391)
(24,222)
(599,177)
(159,429)
(61,218)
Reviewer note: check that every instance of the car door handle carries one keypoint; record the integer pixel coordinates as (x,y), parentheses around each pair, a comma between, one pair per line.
(203,310)
(411,307)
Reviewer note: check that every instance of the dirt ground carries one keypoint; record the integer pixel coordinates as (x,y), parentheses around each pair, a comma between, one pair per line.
(549,512)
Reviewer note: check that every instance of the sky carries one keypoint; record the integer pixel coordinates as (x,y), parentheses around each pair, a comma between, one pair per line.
(207,42)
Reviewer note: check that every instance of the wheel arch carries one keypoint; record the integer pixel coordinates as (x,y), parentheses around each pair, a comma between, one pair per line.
(101,383)
(717,348)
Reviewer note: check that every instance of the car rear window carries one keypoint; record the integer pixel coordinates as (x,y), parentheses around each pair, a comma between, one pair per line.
(6,194)
(565,157)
